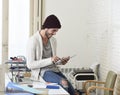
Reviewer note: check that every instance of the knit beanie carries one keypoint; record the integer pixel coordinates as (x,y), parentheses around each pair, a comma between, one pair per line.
(51,22)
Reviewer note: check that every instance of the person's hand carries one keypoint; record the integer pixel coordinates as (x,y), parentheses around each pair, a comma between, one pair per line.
(64,60)
(55,59)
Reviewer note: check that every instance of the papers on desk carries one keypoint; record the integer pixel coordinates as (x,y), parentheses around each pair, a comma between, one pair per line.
(45,85)
(38,88)
(16,87)
(52,90)
(60,91)
(18,94)
(39,85)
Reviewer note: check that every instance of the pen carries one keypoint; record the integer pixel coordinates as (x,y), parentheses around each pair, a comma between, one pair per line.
(72,56)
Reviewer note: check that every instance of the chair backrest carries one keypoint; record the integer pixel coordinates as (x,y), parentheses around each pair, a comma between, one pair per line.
(117,85)
(110,82)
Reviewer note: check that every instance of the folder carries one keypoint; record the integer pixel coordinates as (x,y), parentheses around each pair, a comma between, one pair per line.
(13,87)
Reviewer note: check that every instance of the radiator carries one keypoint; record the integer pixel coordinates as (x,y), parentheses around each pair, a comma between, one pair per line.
(68,72)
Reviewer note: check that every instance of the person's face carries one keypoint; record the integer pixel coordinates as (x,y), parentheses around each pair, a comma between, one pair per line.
(51,31)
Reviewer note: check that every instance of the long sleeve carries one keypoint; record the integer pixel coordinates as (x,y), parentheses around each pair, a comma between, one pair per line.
(34,55)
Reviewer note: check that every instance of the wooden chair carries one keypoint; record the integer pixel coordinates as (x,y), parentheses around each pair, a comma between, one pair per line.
(117,85)
(108,84)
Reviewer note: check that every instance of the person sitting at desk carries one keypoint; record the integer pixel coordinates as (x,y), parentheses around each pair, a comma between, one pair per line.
(42,58)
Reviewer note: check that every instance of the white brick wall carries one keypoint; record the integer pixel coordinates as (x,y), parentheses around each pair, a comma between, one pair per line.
(98,31)
(115,62)
(104,34)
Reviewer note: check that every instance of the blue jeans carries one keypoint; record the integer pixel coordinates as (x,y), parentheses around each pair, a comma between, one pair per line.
(56,77)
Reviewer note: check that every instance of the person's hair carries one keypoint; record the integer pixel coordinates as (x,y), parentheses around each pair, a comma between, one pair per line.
(51,22)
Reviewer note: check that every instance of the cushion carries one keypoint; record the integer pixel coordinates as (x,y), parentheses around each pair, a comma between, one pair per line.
(95,68)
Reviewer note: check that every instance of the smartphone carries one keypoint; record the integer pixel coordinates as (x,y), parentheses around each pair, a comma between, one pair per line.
(59,61)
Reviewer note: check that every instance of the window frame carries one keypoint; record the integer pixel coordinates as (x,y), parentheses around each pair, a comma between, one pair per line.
(36,16)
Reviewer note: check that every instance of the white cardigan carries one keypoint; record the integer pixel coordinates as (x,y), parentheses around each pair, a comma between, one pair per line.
(34,55)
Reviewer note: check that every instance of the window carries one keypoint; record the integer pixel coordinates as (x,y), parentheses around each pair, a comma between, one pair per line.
(18,27)
(0,31)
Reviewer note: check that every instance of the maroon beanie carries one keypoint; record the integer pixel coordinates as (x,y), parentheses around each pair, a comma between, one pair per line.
(51,22)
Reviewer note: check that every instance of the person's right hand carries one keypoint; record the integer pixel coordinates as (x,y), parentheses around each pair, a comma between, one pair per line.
(64,60)
(55,59)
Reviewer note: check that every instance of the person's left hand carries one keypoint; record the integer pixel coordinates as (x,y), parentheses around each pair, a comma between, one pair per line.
(65,60)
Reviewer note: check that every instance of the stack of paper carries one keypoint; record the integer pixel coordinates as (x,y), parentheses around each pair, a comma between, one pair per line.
(45,85)
(13,87)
